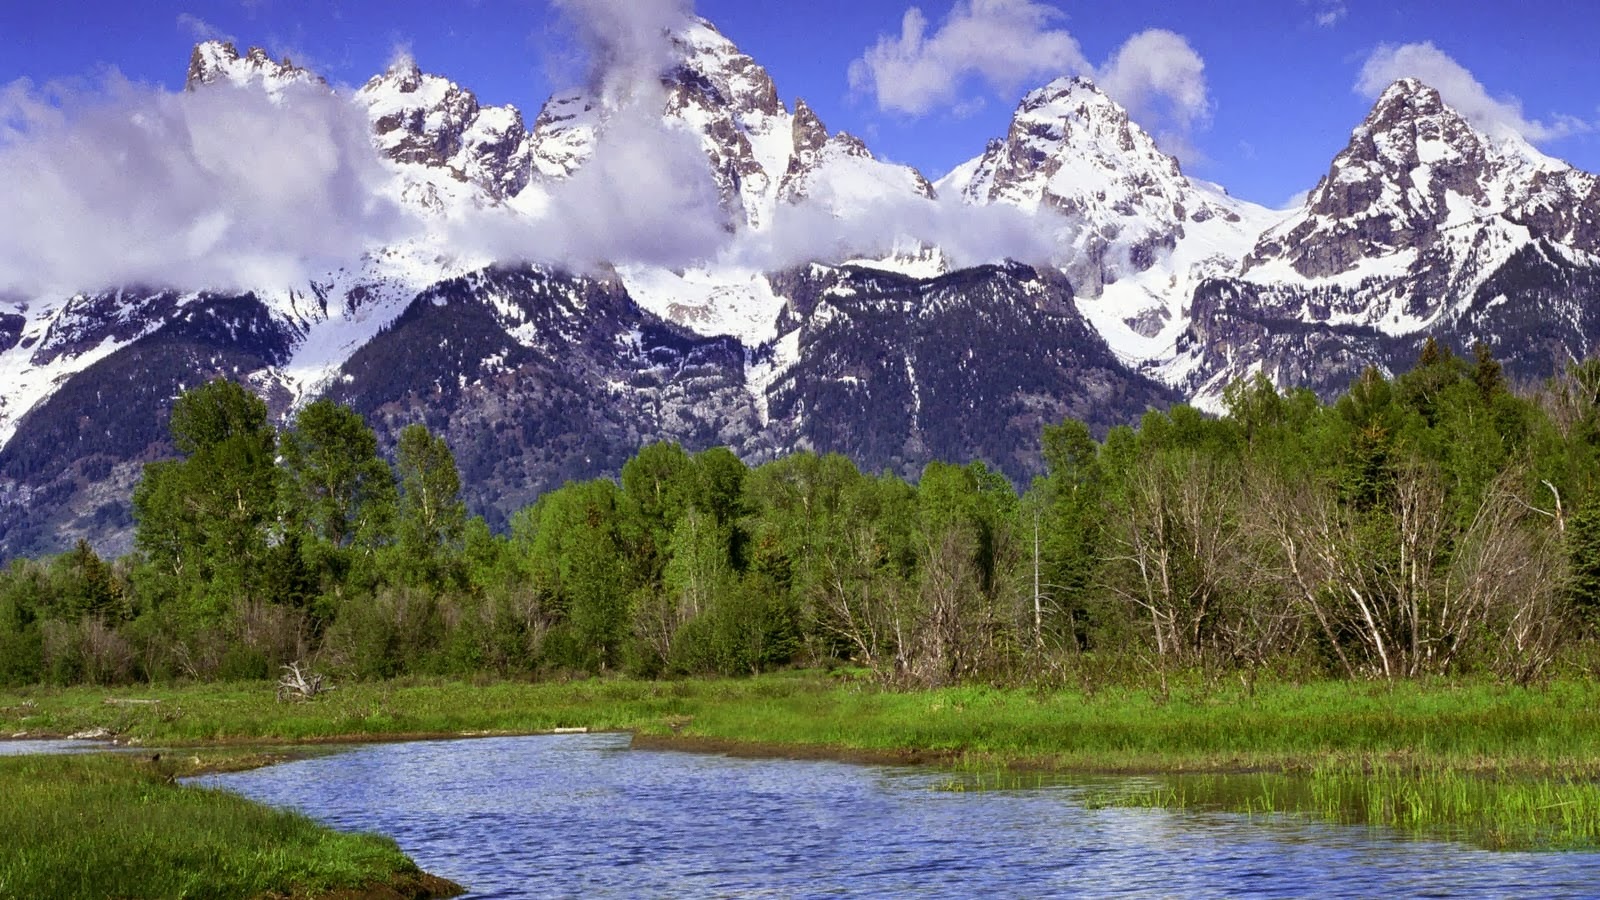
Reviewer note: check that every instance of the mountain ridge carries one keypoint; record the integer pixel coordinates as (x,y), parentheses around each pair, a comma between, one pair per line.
(1161,289)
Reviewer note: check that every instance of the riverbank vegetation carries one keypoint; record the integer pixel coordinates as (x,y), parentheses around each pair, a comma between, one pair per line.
(1437,523)
(1469,758)
(119,826)
(1399,589)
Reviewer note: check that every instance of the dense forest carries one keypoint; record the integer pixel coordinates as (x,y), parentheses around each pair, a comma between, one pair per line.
(1439,522)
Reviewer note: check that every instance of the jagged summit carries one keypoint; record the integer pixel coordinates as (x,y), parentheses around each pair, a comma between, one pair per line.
(1417,172)
(761,154)
(429,121)
(1426,224)
(215,61)
(1074,151)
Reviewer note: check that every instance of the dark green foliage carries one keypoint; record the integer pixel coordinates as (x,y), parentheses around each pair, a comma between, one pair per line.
(1430,523)
(1583,547)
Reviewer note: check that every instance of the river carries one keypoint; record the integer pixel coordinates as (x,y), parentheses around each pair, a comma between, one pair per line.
(584,815)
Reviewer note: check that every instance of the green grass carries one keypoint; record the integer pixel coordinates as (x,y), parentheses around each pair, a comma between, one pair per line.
(1498,812)
(117,826)
(1500,766)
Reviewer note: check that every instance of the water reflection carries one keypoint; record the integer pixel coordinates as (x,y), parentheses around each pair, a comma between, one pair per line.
(25,747)
(570,815)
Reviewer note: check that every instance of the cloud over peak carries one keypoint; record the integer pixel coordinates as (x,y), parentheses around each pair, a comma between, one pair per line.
(1005,44)
(1461,89)
(626,42)
(225,187)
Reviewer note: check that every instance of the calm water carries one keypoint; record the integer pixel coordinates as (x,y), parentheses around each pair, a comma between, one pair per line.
(584,815)
(24,748)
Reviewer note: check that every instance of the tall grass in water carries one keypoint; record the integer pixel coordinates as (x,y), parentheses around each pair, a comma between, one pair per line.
(1497,811)
(113,826)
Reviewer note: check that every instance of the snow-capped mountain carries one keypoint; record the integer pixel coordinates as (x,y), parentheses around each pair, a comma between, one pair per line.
(432,123)
(1164,288)
(1424,225)
(219,61)
(762,155)
(1136,234)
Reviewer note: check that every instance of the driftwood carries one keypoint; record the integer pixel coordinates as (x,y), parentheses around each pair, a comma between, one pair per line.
(297,685)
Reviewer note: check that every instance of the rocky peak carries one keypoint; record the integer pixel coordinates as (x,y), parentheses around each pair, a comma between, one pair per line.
(810,135)
(712,63)
(425,120)
(218,61)
(760,154)
(1073,150)
(1415,172)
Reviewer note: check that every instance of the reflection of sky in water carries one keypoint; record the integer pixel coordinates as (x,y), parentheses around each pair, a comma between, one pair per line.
(583,815)
(22,748)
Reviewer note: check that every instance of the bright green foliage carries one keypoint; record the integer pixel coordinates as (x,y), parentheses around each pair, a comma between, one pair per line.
(205,523)
(577,567)
(339,494)
(1435,522)
(432,518)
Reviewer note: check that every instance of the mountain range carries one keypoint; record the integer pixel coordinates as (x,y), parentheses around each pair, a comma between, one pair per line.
(847,311)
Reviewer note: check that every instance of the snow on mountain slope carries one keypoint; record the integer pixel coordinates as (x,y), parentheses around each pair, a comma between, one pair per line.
(1136,235)
(219,61)
(1422,197)
(436,127)
(709,301)
(52,338)
(1425,224)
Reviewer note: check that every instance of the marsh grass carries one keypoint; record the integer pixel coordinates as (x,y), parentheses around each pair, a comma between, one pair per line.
(119,826)
(1495,811)
(1499,766)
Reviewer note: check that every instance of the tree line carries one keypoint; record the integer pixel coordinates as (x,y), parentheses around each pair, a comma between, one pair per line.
(1438,522)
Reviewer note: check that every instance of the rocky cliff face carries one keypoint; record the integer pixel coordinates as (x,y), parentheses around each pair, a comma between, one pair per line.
(1424,225)
(1073,151)
(867,367)
(425,120)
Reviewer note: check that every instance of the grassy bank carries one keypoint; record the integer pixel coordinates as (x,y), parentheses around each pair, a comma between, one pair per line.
(1501,766)
(119,826)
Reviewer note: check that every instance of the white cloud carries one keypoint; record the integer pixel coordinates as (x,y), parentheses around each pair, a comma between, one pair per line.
(646,197)
(626,41)
(1161,81)
(201,30)
(1006,43)
(228,187)
(217,188)
(1459,88)
(1328,13)
(968,235)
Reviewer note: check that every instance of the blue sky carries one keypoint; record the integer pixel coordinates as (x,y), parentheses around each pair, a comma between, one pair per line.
(1279,76)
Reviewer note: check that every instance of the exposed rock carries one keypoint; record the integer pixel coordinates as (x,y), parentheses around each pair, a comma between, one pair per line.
(218,61)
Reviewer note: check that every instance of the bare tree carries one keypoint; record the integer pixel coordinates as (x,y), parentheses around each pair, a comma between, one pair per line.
(1180,537)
